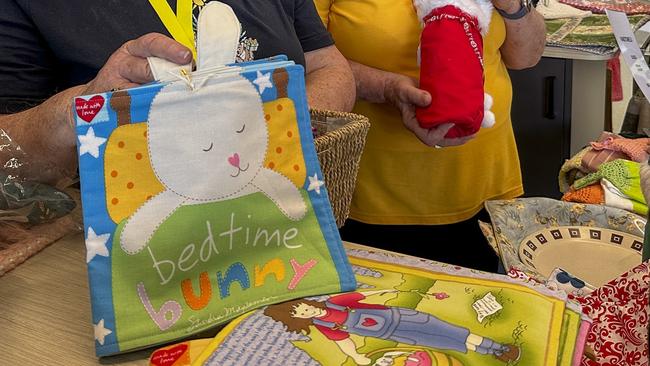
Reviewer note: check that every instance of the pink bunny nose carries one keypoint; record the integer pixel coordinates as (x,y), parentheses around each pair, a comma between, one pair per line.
(234,160)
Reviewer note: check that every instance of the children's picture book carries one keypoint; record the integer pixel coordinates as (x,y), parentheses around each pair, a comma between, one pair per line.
(409,311)
(203,196)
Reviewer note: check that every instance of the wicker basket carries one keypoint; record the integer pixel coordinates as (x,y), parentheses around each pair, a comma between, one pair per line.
(339,152)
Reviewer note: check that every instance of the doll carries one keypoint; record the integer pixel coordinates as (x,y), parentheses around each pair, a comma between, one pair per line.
(451,64)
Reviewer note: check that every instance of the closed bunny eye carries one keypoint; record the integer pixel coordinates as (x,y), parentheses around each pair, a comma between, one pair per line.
(209,148)
(242,129)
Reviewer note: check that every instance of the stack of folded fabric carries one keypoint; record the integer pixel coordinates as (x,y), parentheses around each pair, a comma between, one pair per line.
(608,173)
(406,311)
(581,24)
(599,6)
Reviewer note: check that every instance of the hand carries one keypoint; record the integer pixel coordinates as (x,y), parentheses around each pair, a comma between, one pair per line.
(403,93)
(509,6)
(128,67)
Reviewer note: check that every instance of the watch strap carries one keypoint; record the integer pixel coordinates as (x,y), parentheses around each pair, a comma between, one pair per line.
(523,10)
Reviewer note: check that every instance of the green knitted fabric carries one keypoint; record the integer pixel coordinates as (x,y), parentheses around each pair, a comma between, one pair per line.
(623,174)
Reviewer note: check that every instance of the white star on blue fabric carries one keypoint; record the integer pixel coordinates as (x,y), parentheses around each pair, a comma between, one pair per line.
(96,245)
(101,332)
(263,81)
(90,143)
(315,184)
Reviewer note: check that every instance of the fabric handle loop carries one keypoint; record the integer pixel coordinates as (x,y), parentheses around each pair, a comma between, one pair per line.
(218,31)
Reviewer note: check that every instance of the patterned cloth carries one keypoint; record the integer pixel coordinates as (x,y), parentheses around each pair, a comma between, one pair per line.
(553,9)
(599,6)
(514,220)
(591,34)
(263,338)
(571,170)
(619,309)
(614,197)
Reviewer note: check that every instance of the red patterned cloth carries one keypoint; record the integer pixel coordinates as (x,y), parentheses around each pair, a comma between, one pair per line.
(619,309)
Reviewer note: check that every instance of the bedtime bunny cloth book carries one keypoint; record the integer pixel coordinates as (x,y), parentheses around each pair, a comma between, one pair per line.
(202,195)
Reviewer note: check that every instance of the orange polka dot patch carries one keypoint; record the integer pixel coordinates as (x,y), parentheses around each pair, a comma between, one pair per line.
(131,181)
(284,154)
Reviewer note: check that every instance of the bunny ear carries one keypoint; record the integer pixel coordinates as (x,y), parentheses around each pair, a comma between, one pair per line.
(218,31)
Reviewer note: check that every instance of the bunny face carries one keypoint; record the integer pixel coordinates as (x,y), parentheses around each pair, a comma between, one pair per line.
(223,123)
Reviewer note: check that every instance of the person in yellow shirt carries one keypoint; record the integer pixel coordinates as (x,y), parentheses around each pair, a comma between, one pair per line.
(417,192)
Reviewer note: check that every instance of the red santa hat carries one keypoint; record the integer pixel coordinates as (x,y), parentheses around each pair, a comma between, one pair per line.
(451,64)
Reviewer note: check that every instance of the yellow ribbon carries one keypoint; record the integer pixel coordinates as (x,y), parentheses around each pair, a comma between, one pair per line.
(178,24)
(184,16)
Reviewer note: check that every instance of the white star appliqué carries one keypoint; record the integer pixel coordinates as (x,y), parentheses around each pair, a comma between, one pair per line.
(96,245)
(263,81)
(90,143)
(315,184)
(101,332)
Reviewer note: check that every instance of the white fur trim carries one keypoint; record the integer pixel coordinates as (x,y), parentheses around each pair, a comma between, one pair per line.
(488,116)
(488,119)
(487,101)
(481,9)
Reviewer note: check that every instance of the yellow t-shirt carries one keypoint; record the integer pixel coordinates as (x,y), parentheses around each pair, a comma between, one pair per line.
(401,180)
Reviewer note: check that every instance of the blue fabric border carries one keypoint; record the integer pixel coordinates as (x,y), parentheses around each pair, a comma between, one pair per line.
(321,203)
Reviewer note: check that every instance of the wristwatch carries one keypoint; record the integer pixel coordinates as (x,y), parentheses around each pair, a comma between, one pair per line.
(526,5)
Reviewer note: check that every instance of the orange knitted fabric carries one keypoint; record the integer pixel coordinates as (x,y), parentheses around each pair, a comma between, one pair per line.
(590,194)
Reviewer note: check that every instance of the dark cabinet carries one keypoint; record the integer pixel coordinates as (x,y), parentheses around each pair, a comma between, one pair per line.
(541,117)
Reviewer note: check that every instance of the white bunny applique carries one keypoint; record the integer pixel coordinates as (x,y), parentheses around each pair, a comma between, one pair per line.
(209,143)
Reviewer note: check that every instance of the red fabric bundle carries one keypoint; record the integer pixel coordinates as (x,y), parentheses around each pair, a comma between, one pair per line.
(451,70)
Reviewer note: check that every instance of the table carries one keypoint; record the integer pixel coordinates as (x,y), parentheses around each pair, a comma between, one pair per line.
(45,314)
(45,311)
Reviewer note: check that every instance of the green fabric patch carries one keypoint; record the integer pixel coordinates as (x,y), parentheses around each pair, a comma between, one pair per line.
(224,242)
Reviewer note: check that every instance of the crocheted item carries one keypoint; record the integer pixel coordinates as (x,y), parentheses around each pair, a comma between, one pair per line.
(590,194)
(623,176)
(635,149)
(571,170)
